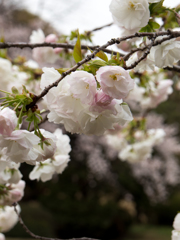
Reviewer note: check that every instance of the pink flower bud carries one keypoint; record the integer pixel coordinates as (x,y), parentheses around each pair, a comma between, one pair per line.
(51,38)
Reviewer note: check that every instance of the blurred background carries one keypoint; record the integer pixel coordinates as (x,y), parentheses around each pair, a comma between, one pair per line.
(98,195)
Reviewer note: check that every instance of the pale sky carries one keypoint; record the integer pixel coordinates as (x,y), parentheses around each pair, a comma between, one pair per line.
(67,15)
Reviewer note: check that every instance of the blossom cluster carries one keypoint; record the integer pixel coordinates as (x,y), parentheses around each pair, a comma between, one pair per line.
(135,144)
(18,146)
(13,75)
(151,90)
(81,106)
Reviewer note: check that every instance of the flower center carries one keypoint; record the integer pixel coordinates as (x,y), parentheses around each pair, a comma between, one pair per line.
(114,76)
(131,5)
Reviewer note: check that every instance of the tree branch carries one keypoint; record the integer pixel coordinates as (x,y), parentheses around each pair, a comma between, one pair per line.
(53,45)
(173,68)
(152,36)
(40,237)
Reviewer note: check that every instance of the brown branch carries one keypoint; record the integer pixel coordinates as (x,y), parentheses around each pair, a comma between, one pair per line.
(148,48)
(173,68)
(40,237)
(53,45)
(127,56)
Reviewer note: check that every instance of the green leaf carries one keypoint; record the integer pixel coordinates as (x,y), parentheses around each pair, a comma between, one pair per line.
(61,70)
(156,8)
(97,63)
(150,27)
(102,55)
(77,50)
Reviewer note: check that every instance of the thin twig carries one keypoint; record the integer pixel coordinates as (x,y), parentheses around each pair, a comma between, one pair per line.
(40,237)
(148,48)
(99,28)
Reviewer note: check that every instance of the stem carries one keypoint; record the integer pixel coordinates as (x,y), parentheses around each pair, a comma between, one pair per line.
(17,106)
(2,90)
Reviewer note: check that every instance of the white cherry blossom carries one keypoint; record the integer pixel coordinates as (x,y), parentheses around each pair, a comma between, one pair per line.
(42,171)
(8,121)
(83,86)
(175,235)
(6,71)
(130,14)
(8,218)
(2,237)
(176,223)
(115,81)
(176,226)
(20,146)
(166,54)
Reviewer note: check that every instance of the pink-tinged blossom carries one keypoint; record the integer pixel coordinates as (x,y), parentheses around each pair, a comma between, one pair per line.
(46,54)
(115,81)
(19,145)
(102,99)
(15,192)
(77,104)
(98,120)
(8,121)
(130,14)
(8,218)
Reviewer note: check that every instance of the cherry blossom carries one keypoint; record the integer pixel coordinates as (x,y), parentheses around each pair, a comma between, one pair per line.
(8,218)
(166,54)
(176,226)
(80,110)
(43,171)
(8,121)
(115,81)
(130,14)
(46,54)
(14,193)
